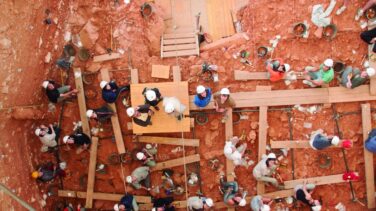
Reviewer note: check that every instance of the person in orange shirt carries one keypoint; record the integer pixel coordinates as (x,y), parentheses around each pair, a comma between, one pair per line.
(276,69)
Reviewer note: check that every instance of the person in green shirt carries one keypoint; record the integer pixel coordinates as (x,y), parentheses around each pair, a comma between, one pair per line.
(140,174)
(146,156)
(318,77)
(353,77)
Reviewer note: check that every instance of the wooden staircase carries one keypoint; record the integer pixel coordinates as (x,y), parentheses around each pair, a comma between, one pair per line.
(179,44)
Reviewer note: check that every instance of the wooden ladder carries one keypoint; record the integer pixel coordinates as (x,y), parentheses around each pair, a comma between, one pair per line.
(179,44)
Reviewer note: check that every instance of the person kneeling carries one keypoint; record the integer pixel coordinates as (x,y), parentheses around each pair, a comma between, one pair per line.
(141,115)
(265,170)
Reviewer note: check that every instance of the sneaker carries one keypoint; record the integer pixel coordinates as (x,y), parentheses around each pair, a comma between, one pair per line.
(340,10)
(359,13)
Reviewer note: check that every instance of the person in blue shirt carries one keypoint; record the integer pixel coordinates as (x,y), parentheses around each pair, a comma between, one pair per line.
(319,140)
(203,97)
(110,91)
(371,141)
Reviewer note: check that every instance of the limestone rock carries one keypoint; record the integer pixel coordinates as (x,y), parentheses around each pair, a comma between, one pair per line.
(89,35)
(5,43)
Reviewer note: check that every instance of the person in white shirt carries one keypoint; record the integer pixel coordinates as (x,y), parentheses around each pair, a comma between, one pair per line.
(235,153)
(173,106)
(48,136)
(265,169)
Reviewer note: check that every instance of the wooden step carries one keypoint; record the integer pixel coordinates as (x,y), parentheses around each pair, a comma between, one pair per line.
(169,141)
(178,35)
(191,46)
(176,162)
(180,53)
(179,41)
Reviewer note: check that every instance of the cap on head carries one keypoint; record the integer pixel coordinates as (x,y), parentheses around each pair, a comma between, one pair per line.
(328,62)
(35,174)
(225,91)
(148,146)
(209,202)
(169,108)
(103,84)
(129,179)
(272,156)
(265,207)
(140,155)
(200,89)
(45,84)
(89,113)
(316,208)
(370,71)
(116,207)
(130,111)
(287,67)
(65,139)
(150,95)
(335,140)
(242,202)
(37,131)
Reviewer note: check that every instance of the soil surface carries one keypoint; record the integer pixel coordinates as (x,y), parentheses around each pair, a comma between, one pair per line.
(26,43)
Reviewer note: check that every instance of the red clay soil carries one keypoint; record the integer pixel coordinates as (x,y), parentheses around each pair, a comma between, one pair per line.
(19,151)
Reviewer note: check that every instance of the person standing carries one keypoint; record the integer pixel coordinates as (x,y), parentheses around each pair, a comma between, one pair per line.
(303,194)
(173,107)
(320,141)
(152,97)
(111,91)
(141,115)
(56,93)
(48,136)
(318,77)
(223,101)
(203,96)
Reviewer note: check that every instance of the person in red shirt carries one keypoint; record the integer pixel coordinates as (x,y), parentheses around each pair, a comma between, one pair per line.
(277,69)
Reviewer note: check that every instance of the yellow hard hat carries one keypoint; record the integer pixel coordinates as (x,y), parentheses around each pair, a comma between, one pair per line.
(35,174)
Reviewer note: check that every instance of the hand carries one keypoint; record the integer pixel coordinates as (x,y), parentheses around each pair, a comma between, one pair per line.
(373,40)
(348,84)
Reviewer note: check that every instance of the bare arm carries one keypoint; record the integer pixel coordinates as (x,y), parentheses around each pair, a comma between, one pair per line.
(369,4)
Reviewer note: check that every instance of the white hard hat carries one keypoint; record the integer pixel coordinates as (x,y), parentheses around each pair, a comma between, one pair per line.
(328,62)
(65,139)
(335,140)
(45,84)
(169,108)
(130,111)
(89,113)
(103,84)
(148,146)
(129,179)
(150,95)
(225,91)
(228,150)
(209,202)
(140,155)
(316,208)
(154,209)
(370,71)
(37,131)
(287,67)
(116,207)
(242,202)
(265,207)
(272,156)
(200,89)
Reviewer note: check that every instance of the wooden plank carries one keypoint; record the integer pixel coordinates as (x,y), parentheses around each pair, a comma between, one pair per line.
(101,196)
(114,119)
(342,94)
(160,71)
(177,204)
(176,162)
(167,48)
(176,73)
(263,126)
(178,35)
(372,86)
(106,57)
(279,194)
(224,27)
(324,180)
(292,144)
(169,141)
(81,101)
(241,75)
(91,173)
(368,156)
(170,123)
(179,41)
(230,167)
(239,38)
(180,53)
(263,88)
(134,76)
